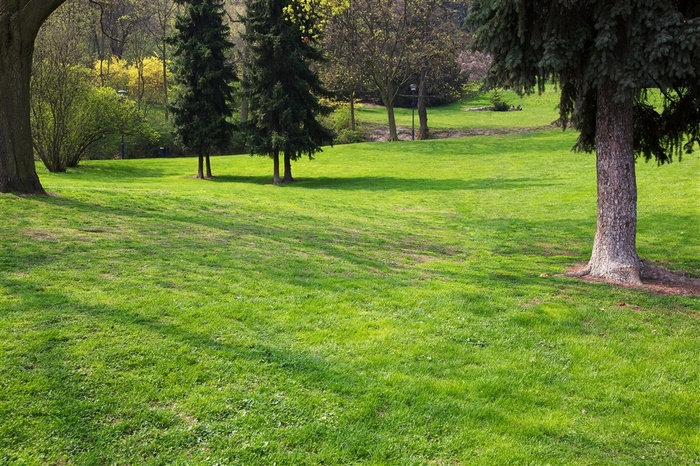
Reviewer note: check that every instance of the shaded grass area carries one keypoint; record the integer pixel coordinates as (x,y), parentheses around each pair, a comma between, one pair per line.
(402,303)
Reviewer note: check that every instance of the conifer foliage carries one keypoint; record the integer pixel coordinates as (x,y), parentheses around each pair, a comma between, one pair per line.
(605,55)
(282,88)
(202,106)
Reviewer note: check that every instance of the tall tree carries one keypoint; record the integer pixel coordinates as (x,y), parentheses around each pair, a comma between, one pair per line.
(19,25)
(281,86)
(603,53)
(435,45)
(160,30)
(382,32)
(202,107)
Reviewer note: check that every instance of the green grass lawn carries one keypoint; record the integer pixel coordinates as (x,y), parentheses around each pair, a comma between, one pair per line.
(538,111)
(402,304)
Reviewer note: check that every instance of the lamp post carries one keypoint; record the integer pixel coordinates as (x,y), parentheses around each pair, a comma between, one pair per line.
(413,112)
(122,94)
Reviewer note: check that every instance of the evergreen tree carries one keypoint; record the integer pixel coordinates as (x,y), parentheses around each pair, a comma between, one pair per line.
(201,109)
(603,54)
(282,89)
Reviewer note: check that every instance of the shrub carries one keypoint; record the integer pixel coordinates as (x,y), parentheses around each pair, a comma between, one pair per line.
(498,102)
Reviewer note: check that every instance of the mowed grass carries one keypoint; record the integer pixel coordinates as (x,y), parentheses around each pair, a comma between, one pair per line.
(402,304)
(538,111)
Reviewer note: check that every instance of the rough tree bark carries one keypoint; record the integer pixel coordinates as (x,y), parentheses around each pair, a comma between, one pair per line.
(288,178)
(19,25)
(614,257)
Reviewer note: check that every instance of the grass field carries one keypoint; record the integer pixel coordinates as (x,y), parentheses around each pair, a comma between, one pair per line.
(402,304)
(538,111)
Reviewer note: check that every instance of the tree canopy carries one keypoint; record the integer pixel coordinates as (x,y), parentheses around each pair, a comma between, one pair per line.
(582,44)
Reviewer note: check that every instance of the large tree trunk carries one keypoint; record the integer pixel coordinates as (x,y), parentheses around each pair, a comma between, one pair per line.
(423,132)
(276,168)
(614,257)
(287,168)
(19,24)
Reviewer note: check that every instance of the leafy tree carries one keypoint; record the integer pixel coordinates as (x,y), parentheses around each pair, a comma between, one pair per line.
(381,34)
(282,89)
(68,114)
(69,117)
(201,108)
(343,73)
(435,46)
(603,54)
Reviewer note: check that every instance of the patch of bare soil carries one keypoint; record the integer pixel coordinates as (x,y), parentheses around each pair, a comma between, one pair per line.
(655,279)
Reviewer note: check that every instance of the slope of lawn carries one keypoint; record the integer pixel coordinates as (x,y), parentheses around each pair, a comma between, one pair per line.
(538,111)
(402,304)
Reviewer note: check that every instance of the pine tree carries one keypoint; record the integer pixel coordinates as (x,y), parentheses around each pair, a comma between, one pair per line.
(604,54)
(202,108)
(282,89)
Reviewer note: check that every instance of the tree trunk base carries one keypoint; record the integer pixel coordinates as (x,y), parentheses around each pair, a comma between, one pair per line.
(650,276)
(628,274)
(31,187)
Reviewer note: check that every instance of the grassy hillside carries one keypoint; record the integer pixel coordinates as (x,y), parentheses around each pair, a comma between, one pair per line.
(538,111)
(402,304)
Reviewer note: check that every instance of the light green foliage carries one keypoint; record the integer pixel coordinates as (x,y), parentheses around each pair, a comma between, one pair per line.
(70,116)
(402,304)
(312,16)
(340,122)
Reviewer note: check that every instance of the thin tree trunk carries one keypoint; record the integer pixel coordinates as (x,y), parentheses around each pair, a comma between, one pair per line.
(200,168)
(17,170)
(276,168)
(165,77)
(208,161)
(287,168)
(423,132)
(245,102)
(614,257)
(389,104)
(352,111)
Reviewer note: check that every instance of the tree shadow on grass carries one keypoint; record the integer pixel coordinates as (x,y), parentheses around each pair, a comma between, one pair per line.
(383,183)
(113,172)
(87,404)
(242,179)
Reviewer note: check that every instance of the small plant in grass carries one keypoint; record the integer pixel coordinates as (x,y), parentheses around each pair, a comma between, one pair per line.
(347,131)
(498,101)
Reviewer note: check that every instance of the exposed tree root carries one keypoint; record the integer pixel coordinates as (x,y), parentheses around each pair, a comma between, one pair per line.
(654,278)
